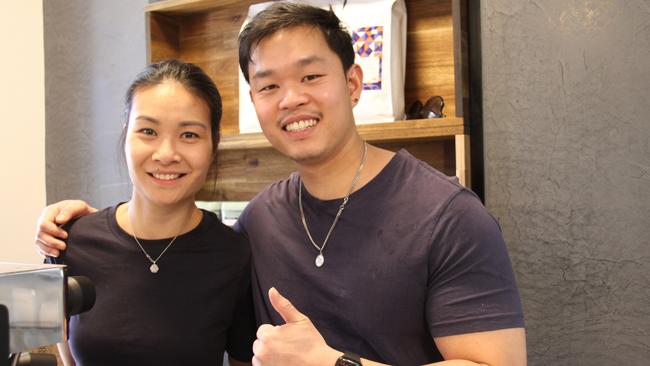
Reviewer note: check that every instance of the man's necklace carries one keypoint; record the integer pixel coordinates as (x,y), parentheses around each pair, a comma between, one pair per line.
(320,259)
(154,267)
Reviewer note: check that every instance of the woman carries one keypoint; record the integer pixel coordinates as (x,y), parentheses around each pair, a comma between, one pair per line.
(172,282)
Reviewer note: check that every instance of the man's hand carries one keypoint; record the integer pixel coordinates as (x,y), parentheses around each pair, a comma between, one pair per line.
(48,233)
(295,343)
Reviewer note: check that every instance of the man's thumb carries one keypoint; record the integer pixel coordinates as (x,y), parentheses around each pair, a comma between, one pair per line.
(285,308)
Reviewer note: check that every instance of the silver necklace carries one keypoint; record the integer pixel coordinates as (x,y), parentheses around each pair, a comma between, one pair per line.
(154,267)
(320,259)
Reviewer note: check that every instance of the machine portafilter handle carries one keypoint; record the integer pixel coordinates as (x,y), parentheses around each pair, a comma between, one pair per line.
(80,295)
(33,359)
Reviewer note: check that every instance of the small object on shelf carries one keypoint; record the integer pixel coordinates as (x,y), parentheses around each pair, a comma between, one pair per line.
(433,107)
(414,110)
(230,211)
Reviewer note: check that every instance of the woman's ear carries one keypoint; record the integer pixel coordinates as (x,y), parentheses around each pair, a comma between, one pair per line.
(355,83)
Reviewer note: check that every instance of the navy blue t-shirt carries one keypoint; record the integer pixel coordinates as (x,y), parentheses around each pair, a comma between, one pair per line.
(198,305)
(413,256)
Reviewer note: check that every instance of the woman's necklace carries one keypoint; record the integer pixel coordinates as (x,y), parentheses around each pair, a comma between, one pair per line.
(154,267)
(320,259)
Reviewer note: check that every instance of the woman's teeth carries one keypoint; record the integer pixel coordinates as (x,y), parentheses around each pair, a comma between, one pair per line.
(166,176)
(300,125)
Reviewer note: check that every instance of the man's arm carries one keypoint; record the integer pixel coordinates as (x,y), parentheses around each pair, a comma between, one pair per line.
(66,355)
(497,347)
(49,235)
(299,343)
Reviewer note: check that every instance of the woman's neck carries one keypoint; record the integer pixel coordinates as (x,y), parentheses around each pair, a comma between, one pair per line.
(147,221)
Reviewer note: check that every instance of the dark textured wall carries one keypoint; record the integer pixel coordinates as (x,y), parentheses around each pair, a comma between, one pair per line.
(567,153)
(567,166)
(93,48)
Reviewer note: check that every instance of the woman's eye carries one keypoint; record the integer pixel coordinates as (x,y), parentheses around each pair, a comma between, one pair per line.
(147,131)
(189,135)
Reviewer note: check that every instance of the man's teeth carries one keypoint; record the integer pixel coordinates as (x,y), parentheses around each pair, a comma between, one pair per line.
(166,176)
(300,125)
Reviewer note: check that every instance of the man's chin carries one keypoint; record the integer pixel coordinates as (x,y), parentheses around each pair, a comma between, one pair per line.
(303,157)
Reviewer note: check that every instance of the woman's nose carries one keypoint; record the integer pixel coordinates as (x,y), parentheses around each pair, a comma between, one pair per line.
(166,152)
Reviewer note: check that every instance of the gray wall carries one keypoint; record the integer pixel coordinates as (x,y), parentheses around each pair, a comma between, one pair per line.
(567,145)
(93,48)
(567,166)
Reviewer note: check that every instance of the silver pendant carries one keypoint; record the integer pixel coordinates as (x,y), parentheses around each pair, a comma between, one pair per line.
(320,260)
(154,268)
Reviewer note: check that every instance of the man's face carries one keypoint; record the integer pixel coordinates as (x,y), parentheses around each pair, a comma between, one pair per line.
(302,96)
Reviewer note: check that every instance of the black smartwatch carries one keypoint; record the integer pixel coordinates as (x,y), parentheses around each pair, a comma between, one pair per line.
(349,359)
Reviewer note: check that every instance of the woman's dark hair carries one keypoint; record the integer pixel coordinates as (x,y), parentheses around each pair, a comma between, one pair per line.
(191,77)
(282,15)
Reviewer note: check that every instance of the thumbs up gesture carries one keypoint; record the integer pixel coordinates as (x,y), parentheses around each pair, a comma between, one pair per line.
(297,342)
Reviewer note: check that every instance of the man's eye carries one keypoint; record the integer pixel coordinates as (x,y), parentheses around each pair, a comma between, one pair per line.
(311,77)
(268,88)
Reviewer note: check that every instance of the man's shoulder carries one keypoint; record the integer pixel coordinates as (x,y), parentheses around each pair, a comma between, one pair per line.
(425,181)
(272,199)
(275,192)
(421,170)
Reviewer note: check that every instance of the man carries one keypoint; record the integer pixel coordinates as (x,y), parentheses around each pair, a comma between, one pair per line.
(380,255)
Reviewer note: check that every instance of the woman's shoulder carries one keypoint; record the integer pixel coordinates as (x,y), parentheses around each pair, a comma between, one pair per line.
(212,228)
(97,221)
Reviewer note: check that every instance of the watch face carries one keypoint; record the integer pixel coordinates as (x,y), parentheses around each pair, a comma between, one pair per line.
(348,360)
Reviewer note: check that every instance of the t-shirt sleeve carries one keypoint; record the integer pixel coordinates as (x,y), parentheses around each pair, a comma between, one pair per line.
(61,258)
(471,285)
(243,328)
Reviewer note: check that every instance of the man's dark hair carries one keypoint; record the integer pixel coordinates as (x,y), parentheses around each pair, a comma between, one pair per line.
(284,15)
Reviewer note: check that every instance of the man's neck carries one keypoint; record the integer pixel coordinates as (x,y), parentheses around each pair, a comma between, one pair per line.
(333,178)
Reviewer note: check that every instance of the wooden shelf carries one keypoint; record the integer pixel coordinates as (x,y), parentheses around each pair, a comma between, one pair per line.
(186,6)
(411,130)
(204,32)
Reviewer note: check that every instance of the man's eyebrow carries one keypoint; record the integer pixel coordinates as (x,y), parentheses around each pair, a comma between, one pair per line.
(261,74)
(305,61)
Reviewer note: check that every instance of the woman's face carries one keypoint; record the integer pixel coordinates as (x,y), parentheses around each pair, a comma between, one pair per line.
(168,144)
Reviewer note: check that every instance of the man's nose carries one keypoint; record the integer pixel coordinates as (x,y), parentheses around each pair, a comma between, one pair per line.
(293,97)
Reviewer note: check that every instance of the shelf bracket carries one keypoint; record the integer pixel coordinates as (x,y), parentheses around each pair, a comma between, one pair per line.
(463,160)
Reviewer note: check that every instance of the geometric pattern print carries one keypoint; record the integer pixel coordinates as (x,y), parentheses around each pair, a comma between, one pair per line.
(368,42)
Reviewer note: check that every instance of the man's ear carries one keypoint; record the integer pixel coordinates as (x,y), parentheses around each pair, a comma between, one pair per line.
(355,83)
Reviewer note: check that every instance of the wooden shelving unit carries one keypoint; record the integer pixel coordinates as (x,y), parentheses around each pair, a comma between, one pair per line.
(205,32)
